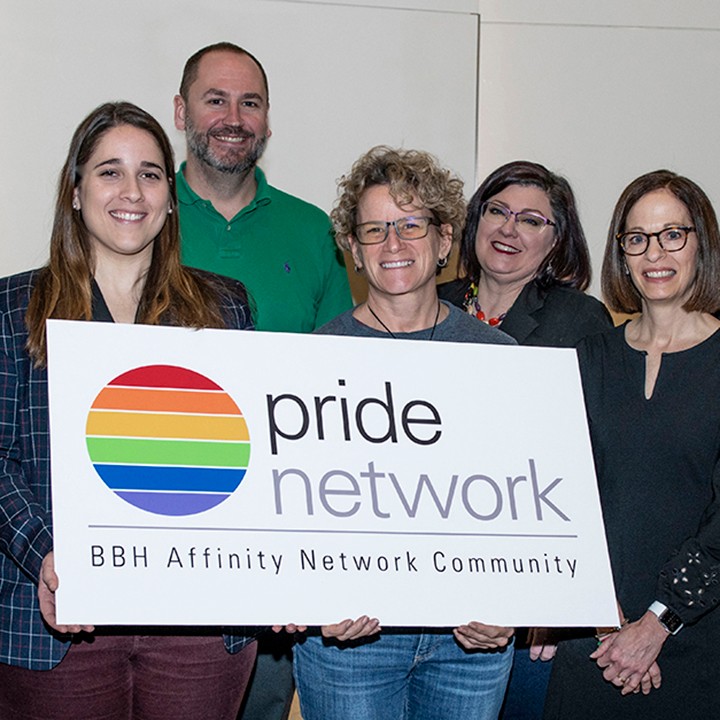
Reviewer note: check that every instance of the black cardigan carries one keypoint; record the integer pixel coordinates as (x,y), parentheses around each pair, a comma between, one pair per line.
(555,317)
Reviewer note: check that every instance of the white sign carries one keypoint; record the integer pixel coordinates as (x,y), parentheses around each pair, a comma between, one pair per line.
(224,477)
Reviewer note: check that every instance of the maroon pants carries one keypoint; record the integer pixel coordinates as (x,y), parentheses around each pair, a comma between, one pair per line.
(132,677)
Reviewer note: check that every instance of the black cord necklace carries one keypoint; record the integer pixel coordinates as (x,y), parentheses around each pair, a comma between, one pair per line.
(391,333)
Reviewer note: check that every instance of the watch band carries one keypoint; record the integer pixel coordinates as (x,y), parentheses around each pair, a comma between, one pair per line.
(669,619)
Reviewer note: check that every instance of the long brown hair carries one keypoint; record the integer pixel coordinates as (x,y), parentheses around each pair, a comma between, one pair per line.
(171,293)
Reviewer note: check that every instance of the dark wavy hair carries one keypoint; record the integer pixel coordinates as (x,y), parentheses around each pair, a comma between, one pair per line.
(171,293)
(619,292)
(568,263)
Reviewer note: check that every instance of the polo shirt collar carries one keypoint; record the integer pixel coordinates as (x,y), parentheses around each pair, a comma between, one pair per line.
(187,196)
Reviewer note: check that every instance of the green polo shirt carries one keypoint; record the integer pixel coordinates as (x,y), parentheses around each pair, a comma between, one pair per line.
(279,246)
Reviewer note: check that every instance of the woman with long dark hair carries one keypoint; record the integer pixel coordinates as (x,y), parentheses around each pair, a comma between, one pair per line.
(114,257)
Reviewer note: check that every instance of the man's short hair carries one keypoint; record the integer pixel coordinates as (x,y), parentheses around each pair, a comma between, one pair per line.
(190,72)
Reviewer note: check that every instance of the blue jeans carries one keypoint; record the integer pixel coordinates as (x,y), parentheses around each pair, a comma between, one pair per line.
(399,675)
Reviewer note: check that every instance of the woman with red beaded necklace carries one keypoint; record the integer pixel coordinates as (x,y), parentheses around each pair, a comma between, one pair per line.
(523,266)
(524,261)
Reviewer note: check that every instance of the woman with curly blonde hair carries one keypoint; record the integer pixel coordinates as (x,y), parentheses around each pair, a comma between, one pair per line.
(398,213)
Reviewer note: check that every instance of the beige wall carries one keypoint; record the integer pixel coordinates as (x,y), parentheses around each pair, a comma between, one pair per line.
(599,91)
(342,78)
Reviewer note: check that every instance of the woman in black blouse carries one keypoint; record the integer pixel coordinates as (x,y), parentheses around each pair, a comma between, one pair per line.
(651,390)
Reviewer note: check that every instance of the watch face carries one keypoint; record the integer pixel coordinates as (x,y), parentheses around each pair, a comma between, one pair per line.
(670,620)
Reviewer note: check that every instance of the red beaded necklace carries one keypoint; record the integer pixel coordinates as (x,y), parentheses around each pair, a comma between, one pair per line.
(472,307)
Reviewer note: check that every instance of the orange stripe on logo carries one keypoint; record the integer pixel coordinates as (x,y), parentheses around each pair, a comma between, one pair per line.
(165,401)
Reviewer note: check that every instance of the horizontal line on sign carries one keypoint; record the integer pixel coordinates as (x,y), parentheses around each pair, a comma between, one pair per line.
(335,532)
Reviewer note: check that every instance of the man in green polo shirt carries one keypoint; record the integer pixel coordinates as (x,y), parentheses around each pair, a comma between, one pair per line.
(232,222)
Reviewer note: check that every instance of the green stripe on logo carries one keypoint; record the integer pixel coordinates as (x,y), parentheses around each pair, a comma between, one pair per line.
(169,452)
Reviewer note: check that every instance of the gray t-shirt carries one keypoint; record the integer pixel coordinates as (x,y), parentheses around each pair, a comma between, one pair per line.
(456,327)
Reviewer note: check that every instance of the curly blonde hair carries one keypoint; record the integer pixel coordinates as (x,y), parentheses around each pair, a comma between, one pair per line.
(411,176)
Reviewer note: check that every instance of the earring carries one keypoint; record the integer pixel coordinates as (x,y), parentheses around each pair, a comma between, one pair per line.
(75,204)
(358,269)
(169,211)
(625,265)
(442,262)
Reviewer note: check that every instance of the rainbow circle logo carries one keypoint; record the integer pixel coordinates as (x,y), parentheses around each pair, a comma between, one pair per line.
(168,440)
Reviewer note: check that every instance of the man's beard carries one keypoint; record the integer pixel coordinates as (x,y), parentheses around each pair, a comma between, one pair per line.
(238,162)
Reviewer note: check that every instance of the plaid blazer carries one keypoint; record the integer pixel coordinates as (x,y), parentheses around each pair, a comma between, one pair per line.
(25,504)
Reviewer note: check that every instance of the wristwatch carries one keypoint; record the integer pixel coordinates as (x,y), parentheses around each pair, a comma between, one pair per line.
(668,619)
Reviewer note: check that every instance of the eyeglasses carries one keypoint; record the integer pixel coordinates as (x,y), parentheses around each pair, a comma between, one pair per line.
(407,228)
(528,223)
(670,239)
